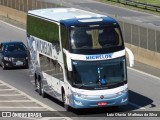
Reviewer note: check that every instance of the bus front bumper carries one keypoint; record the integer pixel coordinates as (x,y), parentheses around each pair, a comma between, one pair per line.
(98,101)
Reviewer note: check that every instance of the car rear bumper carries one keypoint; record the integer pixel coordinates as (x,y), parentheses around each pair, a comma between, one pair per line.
(15,63)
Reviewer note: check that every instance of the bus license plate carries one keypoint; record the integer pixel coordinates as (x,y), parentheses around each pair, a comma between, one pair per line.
(102,103)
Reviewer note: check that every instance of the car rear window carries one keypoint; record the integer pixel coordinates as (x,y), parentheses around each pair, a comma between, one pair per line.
(15,47)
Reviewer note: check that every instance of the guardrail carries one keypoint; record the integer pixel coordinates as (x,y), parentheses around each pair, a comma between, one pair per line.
(25,5)
(138,4)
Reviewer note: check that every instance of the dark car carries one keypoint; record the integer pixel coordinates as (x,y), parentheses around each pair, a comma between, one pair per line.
(13,54)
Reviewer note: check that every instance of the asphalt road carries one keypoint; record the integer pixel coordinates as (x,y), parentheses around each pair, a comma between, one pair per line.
(143,88)
(122,13)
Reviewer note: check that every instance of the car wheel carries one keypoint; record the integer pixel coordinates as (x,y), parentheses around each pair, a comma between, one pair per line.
(3,66)
(26,66)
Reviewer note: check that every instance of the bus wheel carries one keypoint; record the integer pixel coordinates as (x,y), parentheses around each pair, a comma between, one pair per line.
(42,90)
(64,102)
(39,87)
(36,82)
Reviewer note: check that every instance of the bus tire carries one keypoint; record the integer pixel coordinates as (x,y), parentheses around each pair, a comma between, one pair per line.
(67,107)
(42,90)
(39,85)
(35,81)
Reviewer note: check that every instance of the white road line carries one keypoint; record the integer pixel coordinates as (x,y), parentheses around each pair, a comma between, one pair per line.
(7,90)
(2,85)
(13,26)
(144,73)
(16,101)
(32,81)
(34,100)
(137,106)
(10,95)
(139,20)
(24,94)
(20,107)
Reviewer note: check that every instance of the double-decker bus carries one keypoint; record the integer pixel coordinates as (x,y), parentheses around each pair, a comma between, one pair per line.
(78,57)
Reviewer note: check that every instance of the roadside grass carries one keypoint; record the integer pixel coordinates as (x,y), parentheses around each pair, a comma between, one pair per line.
(132,7)
(153,2)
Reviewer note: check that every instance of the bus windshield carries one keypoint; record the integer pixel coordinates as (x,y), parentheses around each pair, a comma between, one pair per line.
(95,38)
(103,74)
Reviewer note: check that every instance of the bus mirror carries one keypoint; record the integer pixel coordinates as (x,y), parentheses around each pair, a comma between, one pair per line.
(131,57)
(69,62)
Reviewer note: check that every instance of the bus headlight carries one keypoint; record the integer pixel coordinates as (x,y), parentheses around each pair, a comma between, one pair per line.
(77,102)
(79,95)
(122,92)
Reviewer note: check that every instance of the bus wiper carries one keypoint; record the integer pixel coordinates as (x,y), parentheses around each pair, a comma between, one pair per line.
(114,83)
(108,45)
(81,85)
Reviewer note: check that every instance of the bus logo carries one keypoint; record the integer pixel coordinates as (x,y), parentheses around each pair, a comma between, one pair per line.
(101,96)
(99,57)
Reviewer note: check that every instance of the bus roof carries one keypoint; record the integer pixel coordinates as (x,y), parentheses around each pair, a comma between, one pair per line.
(71,16)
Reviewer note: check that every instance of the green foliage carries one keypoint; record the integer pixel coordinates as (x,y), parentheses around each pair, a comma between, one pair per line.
(43,29)
(153,2)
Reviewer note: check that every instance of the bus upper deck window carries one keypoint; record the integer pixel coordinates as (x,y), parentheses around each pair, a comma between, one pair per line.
(108,37)
(81,39)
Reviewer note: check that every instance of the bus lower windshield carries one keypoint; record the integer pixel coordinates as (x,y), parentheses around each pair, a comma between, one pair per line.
(103,74)
(95,38)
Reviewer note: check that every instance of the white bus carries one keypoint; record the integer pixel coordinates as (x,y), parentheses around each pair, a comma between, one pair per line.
(78,57)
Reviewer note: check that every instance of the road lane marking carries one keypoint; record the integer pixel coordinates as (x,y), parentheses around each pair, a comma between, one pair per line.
(144,73)
(13,26)
(6,89)
(10,95)
(24,94)
(44,106)
(16,101)
(20,107)
(137,106)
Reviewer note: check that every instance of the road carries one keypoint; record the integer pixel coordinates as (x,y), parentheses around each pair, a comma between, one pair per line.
(143,89)
(123,13)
